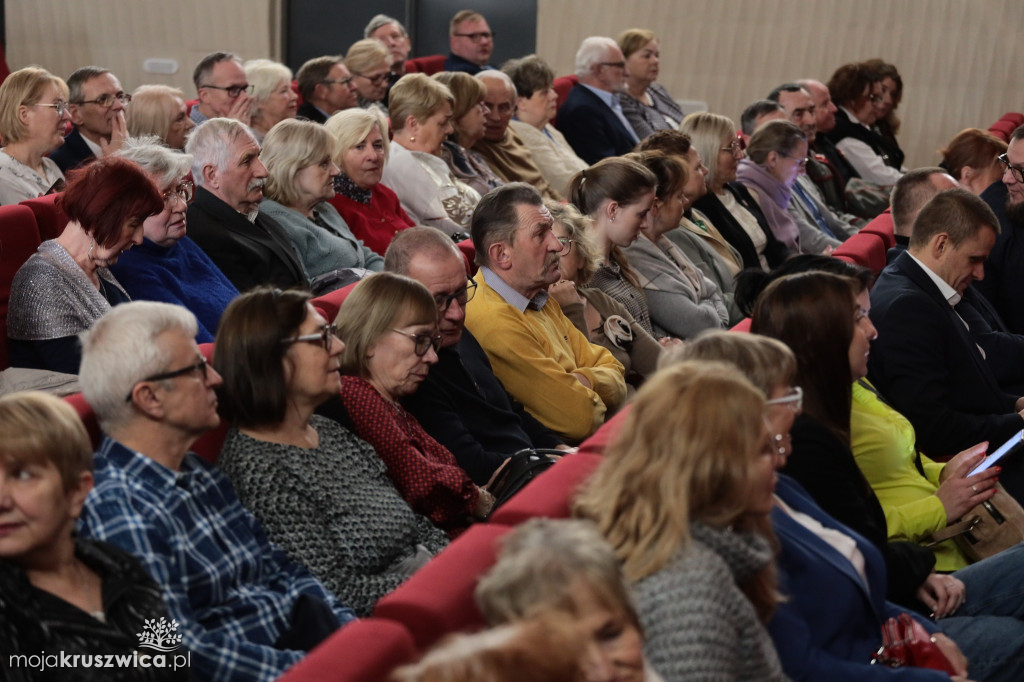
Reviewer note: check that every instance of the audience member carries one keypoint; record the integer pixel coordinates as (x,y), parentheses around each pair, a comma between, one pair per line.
(246,611)
(471,42)
(390,323)
(617,194)
(972,158)
(1005,265)
(542,360)
(875,158)
(909,195)
(591,118)
(728,204)
(29,135)
(326,87)
(392,33)
(536,104)
(300,181)
(298,472)
(461,403)
(168,266)
(97,105)
(273,99)
(504,150)
(159,110)
(601,318)
(371,210)
(59,594)
(683,495)
(886,96)
(647,105)
(564,567)
(756,113)
(225,220)
(370,64)
(65,286)
(222,88)
(421,118)
(469,111)
(682,300)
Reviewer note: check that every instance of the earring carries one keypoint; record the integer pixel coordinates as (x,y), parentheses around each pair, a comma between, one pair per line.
(92,244)
(412,138)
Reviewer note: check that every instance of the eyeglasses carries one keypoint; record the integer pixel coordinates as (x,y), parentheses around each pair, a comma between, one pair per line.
(614,65)
(463,296)
(1016,171)
(322,338)
(343,81)
(801,161)
(732,147)
(478,36)
(106,100)
(376,80)
(232,90)
(200,366)
(423,341)
(566,245)
(182,192)
(794,400)
(60,105)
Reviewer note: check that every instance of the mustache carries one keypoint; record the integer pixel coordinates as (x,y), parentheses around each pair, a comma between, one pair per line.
(256,184)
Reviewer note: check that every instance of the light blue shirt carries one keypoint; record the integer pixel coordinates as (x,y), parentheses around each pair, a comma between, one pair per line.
(612,100)
(510,295)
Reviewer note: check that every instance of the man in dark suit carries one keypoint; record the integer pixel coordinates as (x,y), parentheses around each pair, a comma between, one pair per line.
(925,360)
(224,219)
(97,112)
(471,41)
(591,117)
(326,87)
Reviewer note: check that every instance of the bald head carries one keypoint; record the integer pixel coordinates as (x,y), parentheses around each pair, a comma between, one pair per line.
(824,109)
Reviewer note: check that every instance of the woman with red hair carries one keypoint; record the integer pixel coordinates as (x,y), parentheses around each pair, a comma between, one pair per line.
(65,286)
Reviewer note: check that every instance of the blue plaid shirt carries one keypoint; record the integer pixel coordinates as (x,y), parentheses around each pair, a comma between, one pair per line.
(231,590)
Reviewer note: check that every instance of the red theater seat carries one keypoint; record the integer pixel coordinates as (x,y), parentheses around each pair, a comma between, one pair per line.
(363,651)
(87,416)
(429,64)
(438,599)
(19,239)
(330,304)
(742,326)
(596,444)
(469,253)
(562,85)
(863,249)
(50,217)
(550,494)
(883,227)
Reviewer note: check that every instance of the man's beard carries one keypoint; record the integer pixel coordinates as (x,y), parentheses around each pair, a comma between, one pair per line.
(1015,213)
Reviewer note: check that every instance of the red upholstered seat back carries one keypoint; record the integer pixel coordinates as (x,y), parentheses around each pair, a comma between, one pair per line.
(19,239)
(88,417)
(550,494)
(562,85)
(365,650)
(882,226)
(429,64)
(208,445)
(49,215)
(329,304)
(863,249)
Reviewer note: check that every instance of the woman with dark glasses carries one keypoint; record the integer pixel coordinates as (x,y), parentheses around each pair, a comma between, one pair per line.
(389,323)
(320,492)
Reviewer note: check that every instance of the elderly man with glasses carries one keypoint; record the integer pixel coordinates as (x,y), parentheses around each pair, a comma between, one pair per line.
(223,89)
(245,611)
(97,104)
(461,403)
(471,41)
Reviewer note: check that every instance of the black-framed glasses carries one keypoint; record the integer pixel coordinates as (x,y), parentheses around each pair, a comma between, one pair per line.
(60,105)
(375,80)
(232,90)
(1016,171)
(343,81)
(463,296)
(200,366)
(794,400)
(106,100)
(423,341)
(182,192)
(566,245)
(322,338)
(478,36)
(614,65)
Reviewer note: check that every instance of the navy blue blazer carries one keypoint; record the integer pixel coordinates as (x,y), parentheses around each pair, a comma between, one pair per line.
(73,153)
(1004,268)
(831,623)
(591,128)
(928,366)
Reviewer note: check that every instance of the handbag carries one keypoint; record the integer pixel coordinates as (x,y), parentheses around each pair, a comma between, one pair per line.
(522,467)
(906,644)
(989,528)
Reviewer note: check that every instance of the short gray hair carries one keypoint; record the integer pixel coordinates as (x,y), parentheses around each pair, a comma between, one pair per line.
(494,74)
(121,349)
(79,78)
(426,241)
(592,50)
(265,76)
(380,21)
(210,144)
(165,165)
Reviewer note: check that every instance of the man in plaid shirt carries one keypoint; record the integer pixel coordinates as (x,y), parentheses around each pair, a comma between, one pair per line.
(246,611)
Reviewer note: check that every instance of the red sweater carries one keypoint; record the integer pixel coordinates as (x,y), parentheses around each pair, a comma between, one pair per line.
(375,223)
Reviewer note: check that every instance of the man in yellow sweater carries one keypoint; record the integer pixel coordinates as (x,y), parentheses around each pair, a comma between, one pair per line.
(562,379)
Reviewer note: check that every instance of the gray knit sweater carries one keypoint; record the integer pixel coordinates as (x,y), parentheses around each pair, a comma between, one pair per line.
(700,627)
(332,508)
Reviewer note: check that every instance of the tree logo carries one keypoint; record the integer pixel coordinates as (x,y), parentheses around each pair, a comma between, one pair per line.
(160,635)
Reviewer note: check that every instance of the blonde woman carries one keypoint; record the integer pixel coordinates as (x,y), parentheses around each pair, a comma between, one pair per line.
(159,110)
(684,496)
(34,114)
(370,64)
(272,95)
(468,114)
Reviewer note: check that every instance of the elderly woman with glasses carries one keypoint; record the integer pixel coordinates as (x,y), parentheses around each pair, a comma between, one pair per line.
(646,105)
(67,285)
(320,491)
(776,155)
(468,114)
(422,111)
(299,156)
(370,64)
(272,95)
(34,115)
(389,323)
(168,266)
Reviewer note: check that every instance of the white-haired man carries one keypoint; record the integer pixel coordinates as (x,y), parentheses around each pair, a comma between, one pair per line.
(246,611)
(591,118)
(392,33)
(224,219)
